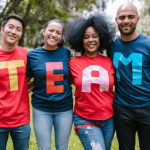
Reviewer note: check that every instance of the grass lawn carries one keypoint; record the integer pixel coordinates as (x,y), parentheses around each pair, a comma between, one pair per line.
(74,142)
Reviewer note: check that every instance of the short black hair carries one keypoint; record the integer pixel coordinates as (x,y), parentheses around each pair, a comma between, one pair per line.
(76,28)
(17,17)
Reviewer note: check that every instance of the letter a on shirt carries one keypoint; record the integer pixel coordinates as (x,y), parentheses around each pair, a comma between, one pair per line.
(102,80)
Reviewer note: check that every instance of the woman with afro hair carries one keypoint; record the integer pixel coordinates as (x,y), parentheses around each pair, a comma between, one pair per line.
(93,77)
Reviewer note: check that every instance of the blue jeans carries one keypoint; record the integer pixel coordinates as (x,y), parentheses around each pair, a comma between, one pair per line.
(43,122)
(95,138)
(20,137)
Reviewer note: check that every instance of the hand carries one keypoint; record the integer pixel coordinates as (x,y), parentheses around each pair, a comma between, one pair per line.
(30,86)
(72,55)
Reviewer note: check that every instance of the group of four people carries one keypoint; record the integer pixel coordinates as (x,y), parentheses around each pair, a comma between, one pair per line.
(97,114)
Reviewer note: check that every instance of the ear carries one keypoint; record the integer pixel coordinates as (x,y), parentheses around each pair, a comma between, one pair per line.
(116,19)
(2,29)
(138,19)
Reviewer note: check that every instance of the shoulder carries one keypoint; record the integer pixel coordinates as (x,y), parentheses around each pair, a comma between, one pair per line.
(105,58)
(64,49)
(106,61)
(21,49)
(113,46)
(34,51)
(76,62)
(113,42)
(75,59)
(144,37)
(21,52)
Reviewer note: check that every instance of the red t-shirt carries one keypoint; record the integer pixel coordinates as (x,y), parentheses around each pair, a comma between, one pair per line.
(93,78)
(14,99)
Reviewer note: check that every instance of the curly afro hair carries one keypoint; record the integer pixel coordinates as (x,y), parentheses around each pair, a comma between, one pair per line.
(76,28)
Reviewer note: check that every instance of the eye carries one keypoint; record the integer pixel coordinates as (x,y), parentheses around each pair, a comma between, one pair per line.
(19,30)
(10,27)
(51,30)
(86,37)
(131,17)
(95,36)
(121,17)
(58,33)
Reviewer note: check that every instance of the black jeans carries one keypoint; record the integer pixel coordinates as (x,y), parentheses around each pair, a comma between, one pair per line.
(127,122)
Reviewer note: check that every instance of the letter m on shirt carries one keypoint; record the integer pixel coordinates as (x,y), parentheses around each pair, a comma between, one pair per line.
(136,59)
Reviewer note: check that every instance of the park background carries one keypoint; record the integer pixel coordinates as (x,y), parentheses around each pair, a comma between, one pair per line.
(37,12)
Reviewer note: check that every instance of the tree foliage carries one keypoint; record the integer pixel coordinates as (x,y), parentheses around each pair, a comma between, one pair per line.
(102,4)
(37,12)
(144,22)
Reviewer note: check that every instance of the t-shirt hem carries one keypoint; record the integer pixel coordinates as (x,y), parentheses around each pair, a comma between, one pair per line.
(15,125)
(133,106)
(50,110)
(95,119)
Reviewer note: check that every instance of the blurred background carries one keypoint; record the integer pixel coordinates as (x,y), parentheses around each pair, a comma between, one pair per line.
(37,12)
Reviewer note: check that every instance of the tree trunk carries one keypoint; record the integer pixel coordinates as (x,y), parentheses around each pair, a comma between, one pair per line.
(26,19)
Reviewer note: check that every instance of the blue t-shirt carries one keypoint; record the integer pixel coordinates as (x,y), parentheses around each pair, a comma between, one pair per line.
(50,69)
(132,63)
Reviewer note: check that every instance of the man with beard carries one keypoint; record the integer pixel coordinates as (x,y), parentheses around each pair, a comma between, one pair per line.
(130,53)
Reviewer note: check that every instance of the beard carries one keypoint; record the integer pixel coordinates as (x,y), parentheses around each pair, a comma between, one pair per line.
(129,32)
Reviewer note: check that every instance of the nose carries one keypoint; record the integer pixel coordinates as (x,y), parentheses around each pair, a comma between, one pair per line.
(126,20)
(90,39)
(13,30)
(54,34)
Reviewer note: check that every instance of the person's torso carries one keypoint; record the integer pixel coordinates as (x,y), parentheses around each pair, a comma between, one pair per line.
(50,69)
(93,78)
(14,99)
(132,63)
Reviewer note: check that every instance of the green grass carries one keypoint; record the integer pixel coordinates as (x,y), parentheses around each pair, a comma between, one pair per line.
(74,142)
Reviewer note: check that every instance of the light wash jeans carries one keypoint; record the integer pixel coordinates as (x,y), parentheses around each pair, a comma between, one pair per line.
(43,122)
(95,138)
(20,137)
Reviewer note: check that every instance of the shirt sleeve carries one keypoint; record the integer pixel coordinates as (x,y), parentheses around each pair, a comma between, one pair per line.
(29,72)
(70,78)
(108,50)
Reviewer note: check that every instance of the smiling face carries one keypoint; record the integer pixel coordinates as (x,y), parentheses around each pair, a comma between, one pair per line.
(12,32)
(91,42)
(52,35)
(127,18)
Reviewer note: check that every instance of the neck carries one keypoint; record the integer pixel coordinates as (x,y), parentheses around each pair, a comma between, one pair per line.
(91,55)
(130,37)
(6,47)
(47,47)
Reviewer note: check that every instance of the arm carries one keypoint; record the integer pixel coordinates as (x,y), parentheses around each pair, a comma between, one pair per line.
(30,84)
(70,78)
(28,79)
